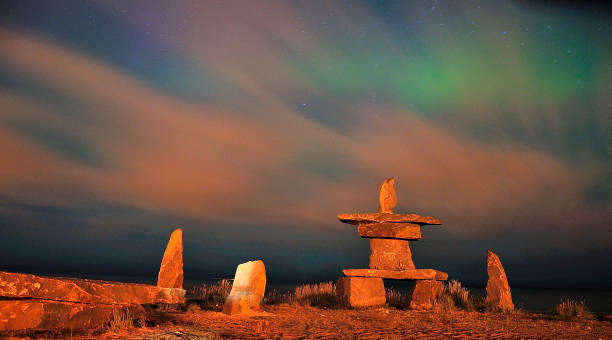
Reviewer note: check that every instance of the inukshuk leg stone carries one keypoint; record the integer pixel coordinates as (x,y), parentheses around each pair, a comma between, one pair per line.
(360,291)
(171,269)
(390,254)
(248,289)
(424,293)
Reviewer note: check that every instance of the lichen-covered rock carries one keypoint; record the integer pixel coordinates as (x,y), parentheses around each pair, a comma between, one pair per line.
(424,293)
(498,290)
(55,315)
(16,285)
(390,254)
(247,290)
(171,269)
(360,291)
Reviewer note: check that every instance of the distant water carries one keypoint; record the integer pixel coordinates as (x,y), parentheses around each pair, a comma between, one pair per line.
(537,300)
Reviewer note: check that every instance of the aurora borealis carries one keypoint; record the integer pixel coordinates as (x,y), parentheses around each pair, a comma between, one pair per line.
(252,124)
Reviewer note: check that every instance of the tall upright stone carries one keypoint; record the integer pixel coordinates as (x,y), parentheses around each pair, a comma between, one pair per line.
(498,290)
(171,270)
(247,290)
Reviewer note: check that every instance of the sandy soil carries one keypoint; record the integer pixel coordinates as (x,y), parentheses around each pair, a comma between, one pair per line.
(293,322)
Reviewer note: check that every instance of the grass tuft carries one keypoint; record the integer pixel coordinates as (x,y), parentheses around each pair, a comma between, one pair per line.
(211,296)
(573,310)
(317,295)
(459,295)
(120,320)
(397,299)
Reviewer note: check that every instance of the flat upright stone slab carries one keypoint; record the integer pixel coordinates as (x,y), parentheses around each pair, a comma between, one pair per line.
(15,285)
(358,218)
(171,269)
(247,290)
(424,293)
(360,291)
(402,231)
(416,274)
(389,254)
(498,289)
(53,315)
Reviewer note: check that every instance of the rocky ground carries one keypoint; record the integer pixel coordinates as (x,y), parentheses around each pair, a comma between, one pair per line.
(297,322)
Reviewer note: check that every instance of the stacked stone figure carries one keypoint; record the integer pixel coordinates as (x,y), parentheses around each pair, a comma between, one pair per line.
(390,256)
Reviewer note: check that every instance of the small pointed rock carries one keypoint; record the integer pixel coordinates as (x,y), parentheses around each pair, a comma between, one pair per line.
(171,270)
(498,290)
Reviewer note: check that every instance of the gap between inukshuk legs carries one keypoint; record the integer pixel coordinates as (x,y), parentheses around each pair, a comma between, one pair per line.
(390,256)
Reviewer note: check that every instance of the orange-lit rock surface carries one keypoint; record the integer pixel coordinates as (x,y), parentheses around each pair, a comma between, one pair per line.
(416,274)
(171,269)
(390,254)
(424,293)
(403,231)
(498,290)
(386,196)
(247,290)
(52,315)
(15,285)
(360,291)
(357,218)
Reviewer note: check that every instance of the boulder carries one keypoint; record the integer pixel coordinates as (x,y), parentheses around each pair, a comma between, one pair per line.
(15,285)
(402,231)
(390,254)
(360,291)
(247,290)
(171,270)
(498,290)
(386,196)
(424,293)
(415,274)
(357,218)
(55,315)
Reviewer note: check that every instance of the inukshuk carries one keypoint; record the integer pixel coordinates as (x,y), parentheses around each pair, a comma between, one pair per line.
(390,256)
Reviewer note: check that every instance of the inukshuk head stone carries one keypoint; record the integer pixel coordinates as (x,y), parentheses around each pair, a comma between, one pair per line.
(386,196)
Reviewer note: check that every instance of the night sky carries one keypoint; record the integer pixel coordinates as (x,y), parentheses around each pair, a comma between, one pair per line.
(252,124)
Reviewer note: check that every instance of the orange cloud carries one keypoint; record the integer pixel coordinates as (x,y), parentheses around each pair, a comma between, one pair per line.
(184,157)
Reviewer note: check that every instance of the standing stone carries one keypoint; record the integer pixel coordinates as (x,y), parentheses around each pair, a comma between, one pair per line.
(390,254)
(171,270)
(248,289)
(498,290)
(424,293)
(360,291)
(386,196)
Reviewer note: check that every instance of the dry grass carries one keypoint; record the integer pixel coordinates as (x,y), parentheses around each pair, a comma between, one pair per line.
(573,310)
(211,296)
(459,295)
(397,299)
(121,320)
(317,295)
